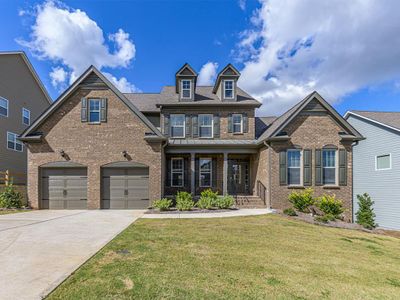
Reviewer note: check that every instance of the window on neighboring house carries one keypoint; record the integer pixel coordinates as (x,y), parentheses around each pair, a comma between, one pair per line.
(237,121)
(178,126)
(228,89)
(177,172)
(26,116)
(3,107)
(94,110)
(186,89)
(383,162)
(205,172)
(329,166)
(294,167)
(206,126)
(13,143)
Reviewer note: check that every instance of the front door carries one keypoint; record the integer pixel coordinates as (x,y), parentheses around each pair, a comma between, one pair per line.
(238,177)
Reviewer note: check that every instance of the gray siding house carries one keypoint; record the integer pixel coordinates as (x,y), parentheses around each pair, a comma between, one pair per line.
(22,99)
(376,163)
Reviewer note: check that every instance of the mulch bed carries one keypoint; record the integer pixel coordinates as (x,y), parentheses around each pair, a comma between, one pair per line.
(173,210)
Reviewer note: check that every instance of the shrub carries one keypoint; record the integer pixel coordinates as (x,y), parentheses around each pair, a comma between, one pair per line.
(208,199)
(10,198)
(162,204)
(329,205)
(225,202)
(302,200)
(184,201)
(325,218)
(365,214)
(290,212)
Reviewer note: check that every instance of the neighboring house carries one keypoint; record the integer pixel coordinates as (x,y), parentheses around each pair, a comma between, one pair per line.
(376,163)
(96,147)
(22,99)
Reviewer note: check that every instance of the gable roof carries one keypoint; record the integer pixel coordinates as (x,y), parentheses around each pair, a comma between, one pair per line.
(185,71)
(387,119)
(262,124)
(32,71)
(234,71)
(281,122)
(30,131)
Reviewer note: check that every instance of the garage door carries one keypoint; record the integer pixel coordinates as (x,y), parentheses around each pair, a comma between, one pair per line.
(64,188)
(125,188)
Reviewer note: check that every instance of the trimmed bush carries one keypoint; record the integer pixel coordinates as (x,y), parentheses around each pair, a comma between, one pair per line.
(184,201)
(208,199)
(325,218)
(302,200)
(365,214)
(162,204)
(10,198)
(225,202)
(329,205)
(290,212)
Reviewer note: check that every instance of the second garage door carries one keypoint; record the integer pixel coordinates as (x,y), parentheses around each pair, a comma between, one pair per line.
(125,188)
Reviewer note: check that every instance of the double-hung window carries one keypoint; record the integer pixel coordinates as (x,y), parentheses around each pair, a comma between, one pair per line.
(329,166)
(178,126)
(294,167)
(13,143)
(186,89)
(94,110)
(206,126)
(228,89)
(26,116)
(177,173)
(237,122)
(205,172)
(3,107)
(383,162)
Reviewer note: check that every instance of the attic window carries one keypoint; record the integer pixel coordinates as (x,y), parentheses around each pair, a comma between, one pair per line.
(228,89)
(186,89)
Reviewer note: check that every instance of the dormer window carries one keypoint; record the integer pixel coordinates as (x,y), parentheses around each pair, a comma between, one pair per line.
(186,89)
(228,89)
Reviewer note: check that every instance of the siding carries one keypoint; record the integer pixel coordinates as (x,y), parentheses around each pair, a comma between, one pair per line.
(384,185)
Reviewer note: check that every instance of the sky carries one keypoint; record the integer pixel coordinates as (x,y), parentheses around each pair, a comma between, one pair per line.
(348,51)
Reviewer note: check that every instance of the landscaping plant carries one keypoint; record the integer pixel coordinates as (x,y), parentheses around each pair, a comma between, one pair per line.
(208,199)
(184,201)
(329,205)
(290,212)
(162,204)
(302,200)
(10,198)
(365,214)
(325,218)
(225,202)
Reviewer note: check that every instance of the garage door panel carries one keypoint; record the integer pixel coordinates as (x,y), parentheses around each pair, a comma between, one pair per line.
(56,204)
(137,204)
(76,204)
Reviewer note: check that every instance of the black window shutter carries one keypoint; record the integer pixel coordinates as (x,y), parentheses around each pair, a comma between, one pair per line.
(188,132)
(196,174)
(166,125)
(342,167)
(168,170)
(318,167)
(307,167)
(84,110)
(245,123)
(103,110)
(282,168)
(195,126)
(230,123)
(216,126)
(214,172)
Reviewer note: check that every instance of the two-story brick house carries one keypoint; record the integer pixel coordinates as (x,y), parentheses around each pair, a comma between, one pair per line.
(96,147)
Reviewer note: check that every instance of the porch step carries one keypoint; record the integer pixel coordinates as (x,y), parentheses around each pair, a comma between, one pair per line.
(249,202)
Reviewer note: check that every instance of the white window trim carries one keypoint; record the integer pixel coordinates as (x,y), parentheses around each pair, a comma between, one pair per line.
(16,142)
(29,116)
(241,123)
(301,166)
(177,171)
(8,107)
(212,126)
(376,162)
(233,89)
(336,168)
(190,89)
(200,172)
(89,110)
(184,126)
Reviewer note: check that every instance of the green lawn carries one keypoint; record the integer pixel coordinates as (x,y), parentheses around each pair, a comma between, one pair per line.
(239,258)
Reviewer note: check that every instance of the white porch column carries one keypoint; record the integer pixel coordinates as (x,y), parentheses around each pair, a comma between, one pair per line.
(192,172)
(225,175)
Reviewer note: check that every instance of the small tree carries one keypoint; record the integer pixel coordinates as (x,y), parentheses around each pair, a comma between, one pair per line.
(365,214)
(10,198)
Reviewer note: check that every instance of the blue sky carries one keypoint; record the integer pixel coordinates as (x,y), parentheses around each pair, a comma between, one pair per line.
(282,52)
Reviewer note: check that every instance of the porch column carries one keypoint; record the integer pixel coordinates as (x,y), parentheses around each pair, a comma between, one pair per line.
(225,175)
(192,172)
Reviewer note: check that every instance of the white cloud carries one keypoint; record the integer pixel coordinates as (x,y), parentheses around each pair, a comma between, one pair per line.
(242,4)
(58,76)
(122,84)
(69,37)
(334,47)
(207,73)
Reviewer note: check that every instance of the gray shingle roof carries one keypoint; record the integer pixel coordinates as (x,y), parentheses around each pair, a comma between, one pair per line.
(194,142)
(391,119)
(145,102)
(262,123)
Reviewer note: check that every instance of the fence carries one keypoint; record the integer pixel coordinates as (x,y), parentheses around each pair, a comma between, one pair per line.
(18,180)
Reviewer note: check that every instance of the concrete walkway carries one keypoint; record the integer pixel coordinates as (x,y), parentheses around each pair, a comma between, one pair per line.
(225,214)
(39,249)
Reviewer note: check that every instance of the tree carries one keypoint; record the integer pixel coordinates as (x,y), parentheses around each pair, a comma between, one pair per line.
(365,214)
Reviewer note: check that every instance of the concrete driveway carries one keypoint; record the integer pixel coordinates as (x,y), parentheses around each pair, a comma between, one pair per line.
(39,249)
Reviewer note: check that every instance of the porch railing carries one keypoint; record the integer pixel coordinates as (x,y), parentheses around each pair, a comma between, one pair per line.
(261,191)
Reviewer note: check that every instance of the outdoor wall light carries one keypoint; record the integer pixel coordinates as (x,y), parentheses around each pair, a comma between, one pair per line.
(63,154)
(125,153)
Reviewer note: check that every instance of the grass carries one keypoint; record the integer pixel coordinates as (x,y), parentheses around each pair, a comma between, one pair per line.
(12,211)
(263,257)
